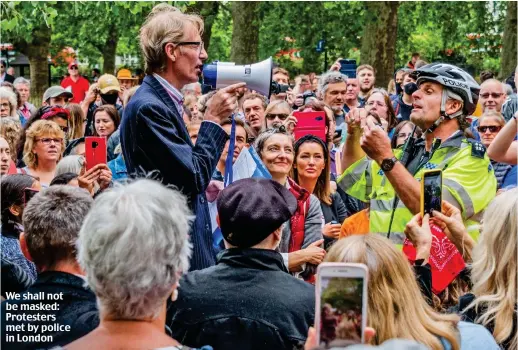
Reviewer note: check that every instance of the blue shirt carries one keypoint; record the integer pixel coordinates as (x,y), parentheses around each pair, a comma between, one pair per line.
(510,178)
(118,168)
(12,252)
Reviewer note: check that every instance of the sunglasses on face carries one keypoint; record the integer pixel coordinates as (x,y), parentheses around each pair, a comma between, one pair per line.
(73,68)
(491,128)
(280,116)
(492,94)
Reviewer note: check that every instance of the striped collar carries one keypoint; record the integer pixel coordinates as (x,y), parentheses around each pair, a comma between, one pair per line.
(175,94)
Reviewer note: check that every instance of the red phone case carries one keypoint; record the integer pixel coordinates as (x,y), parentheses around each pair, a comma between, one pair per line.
(313,123)
(95,151)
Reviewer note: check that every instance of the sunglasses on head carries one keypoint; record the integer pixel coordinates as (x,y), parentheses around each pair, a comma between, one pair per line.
(492,128)
(492,94)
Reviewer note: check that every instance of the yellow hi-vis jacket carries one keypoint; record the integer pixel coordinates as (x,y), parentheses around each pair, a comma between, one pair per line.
(468,183)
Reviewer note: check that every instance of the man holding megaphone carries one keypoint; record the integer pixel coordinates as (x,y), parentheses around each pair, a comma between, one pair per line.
(153,135)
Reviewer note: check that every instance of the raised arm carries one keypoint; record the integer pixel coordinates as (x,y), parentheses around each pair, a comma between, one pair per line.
(376,143)
(352,151)
(503,148)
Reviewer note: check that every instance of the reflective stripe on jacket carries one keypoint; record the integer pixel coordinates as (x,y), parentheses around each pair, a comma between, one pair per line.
(468,182)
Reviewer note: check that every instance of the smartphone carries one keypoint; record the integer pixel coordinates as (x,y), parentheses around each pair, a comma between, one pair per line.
(338,133)
(95,151)
(348,67)
(341,304)
(28,193)
(313,123)
(431,191)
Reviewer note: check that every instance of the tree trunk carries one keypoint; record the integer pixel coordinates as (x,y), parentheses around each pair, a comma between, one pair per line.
(37,52)
(379,39)
(508,64)
(110,49)
(245,32)
(208,10)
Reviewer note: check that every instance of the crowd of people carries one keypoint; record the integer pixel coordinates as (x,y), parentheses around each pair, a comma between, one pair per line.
(131,245)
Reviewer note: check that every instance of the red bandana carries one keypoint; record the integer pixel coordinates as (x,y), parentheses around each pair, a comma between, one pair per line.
(446,262)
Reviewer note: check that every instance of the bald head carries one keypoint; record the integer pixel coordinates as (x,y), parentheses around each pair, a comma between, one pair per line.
(492,95)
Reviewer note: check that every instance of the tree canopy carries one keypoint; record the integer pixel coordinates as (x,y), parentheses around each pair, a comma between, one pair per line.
(466,33)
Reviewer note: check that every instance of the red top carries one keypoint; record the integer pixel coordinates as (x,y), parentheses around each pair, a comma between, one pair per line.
(79,88)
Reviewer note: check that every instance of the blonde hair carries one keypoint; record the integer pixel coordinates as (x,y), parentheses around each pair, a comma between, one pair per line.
(396,307)
(37,129)
(11,130)
(75,122)
(494,268)
(8,93)
(165,24)
(276,104)
(492,114)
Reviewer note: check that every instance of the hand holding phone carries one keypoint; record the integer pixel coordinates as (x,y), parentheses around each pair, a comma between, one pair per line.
(341,304)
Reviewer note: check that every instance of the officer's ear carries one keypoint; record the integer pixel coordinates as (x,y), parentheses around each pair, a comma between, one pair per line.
(453,106)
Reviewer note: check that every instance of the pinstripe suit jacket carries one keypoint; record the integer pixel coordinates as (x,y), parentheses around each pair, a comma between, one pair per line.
(154,138)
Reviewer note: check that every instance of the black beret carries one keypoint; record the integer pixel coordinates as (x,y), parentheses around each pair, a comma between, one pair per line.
(252,209)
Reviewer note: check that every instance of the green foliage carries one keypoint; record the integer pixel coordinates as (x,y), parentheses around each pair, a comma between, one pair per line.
(221,38)
(439,31)
(20,18)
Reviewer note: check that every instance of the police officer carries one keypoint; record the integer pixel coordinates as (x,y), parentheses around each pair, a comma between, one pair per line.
(374,172)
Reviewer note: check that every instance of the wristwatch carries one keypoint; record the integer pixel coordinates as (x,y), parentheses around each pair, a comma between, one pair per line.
(388,163)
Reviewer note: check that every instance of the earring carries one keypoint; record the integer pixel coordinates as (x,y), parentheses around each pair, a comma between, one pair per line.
(174,296)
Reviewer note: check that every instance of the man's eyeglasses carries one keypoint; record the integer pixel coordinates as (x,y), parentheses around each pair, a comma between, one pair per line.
(492,128)
(492,94)
(48,140)
(73,68)
(199,44)
(282,117)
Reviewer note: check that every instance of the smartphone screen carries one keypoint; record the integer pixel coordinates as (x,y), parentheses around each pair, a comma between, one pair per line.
(341,306)
(28,193)
(432,191)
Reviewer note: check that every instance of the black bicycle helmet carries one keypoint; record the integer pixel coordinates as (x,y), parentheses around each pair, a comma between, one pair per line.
(453,78)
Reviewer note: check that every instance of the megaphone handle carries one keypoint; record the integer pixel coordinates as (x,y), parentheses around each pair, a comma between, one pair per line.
(229,172)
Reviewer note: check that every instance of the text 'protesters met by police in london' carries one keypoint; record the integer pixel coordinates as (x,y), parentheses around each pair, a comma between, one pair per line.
(373,171)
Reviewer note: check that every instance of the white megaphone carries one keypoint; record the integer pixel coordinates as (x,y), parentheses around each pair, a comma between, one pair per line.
(257,76)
